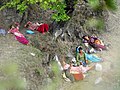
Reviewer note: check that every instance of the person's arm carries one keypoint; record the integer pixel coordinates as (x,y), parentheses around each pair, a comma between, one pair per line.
(86,44)
(77,58)
(102,42)
(85,58)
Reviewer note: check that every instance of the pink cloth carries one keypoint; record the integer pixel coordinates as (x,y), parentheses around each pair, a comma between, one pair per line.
(33,26)
(22,40)
(75,70)
(66,66)
(19,36)
(79,69)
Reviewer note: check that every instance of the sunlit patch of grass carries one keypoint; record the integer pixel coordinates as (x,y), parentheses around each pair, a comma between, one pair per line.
(96,23)
(111,4)
(95,4)
(11,78)
(56,81)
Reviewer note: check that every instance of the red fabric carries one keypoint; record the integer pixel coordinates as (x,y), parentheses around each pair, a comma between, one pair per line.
(43,28)
(78,76)
(13,30)
(77,73)
(19,36)
(22,40)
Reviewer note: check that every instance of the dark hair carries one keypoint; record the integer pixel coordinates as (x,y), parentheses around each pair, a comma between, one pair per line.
(27,25)
(78,48)
(13,24)
(10,26)
(84,36)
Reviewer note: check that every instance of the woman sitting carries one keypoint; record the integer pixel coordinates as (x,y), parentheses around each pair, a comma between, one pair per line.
(42,28)
(74,72)
(14,29)
(80,56)
(83,58)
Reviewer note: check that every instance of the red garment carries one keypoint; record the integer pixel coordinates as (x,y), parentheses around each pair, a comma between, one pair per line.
(43,28)
(19,36)
(22,40)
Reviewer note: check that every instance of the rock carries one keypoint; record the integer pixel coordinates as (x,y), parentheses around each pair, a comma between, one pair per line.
(59,64)
(98,80)
(58,33)
(33,54)
(98,67)
(70,55)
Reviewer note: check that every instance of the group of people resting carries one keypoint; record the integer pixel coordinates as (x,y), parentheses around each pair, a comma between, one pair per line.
(77,66)
(80,64)
(14,29)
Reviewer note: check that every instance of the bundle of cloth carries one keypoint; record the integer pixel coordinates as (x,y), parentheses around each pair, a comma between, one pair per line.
(94,42)
(42,27)
(2,31)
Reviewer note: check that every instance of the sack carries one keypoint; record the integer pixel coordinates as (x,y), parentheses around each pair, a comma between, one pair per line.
(98,67)
(78,76)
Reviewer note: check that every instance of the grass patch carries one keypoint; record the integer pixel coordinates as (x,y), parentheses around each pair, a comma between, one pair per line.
(56,81)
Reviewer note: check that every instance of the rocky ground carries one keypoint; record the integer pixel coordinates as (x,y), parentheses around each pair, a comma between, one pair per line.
(109,77)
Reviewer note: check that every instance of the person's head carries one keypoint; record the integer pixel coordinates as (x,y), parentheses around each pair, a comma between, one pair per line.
(14,25)
(86,37)
(28,24)
(78,49)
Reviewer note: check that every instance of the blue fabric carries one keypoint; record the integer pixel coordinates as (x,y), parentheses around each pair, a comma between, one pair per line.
(77,49)
(93,58)
(29,32)
(3,32)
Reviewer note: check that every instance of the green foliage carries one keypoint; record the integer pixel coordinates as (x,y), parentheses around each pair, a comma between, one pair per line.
(12,78)
(56,80)
(111,4)
(97,23)
(10,69)
(39,71)
(100,4)
(56,5)
(55,68)
(60,15)
(22,7)
(94,3)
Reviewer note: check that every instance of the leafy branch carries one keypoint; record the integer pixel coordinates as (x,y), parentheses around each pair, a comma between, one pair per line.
(56,5)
